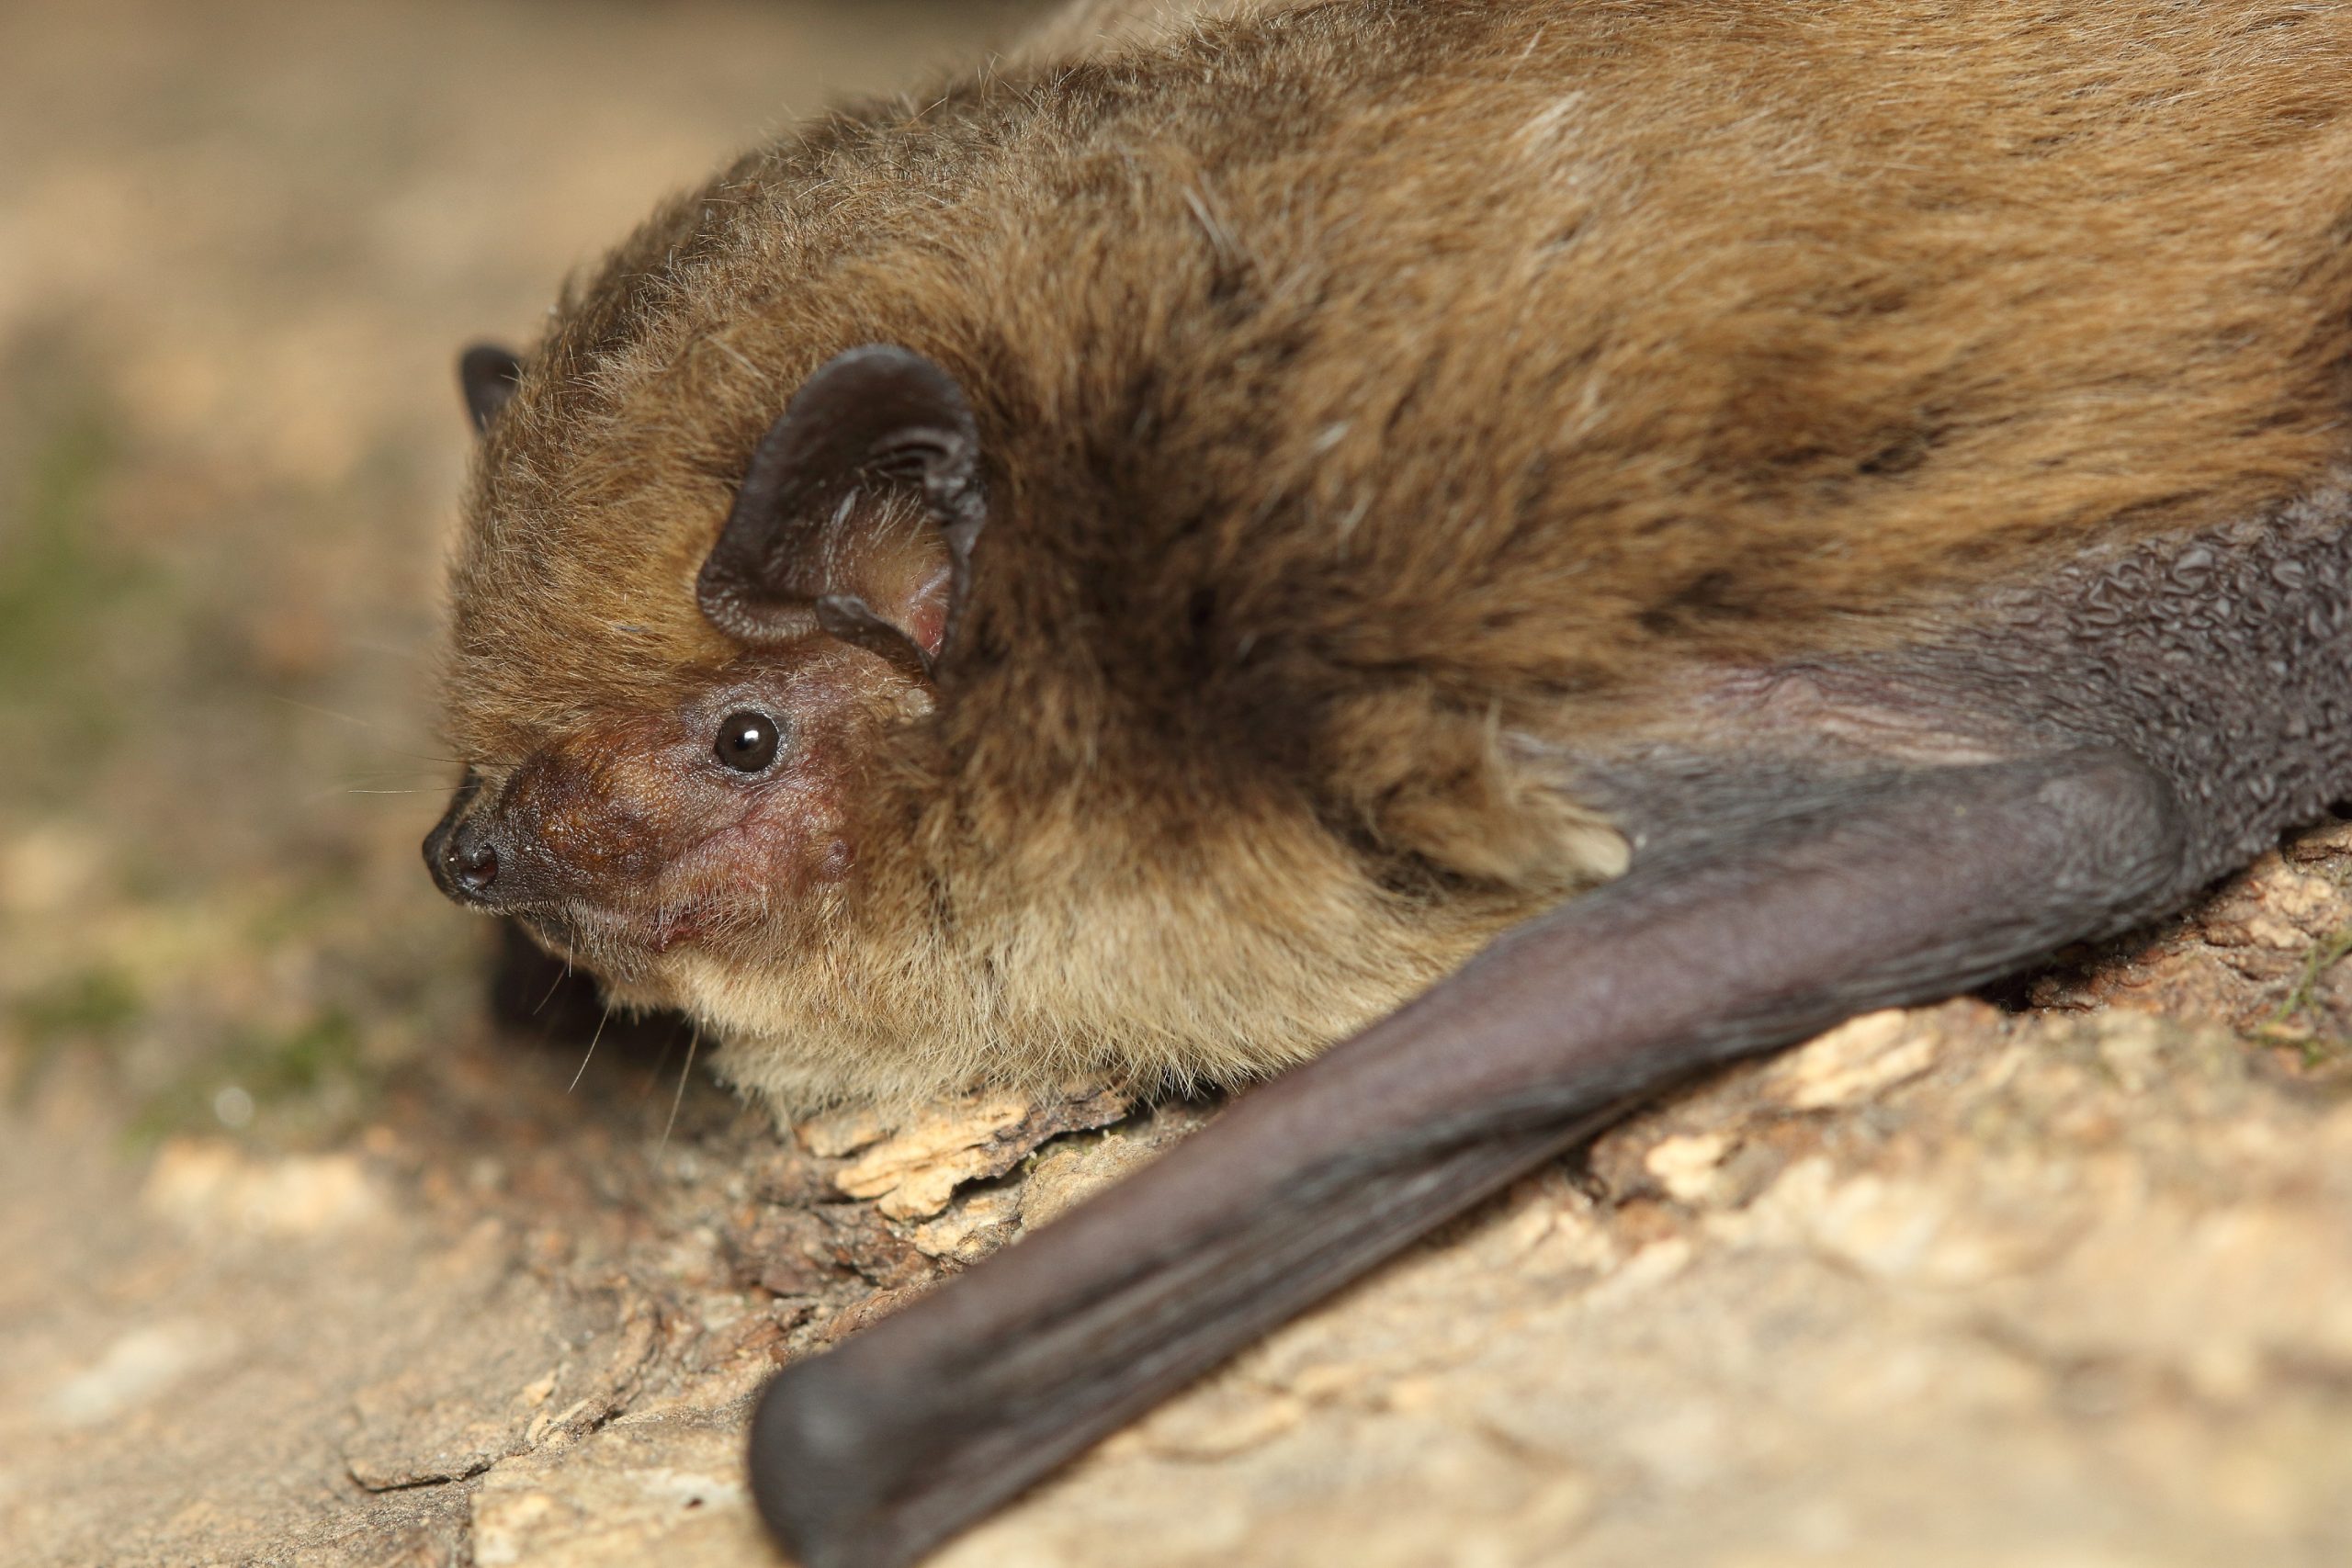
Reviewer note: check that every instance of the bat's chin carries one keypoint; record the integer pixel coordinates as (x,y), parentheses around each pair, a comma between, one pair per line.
(628,947)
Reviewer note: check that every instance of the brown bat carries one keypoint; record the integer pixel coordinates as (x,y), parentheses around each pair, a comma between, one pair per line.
(1552,545)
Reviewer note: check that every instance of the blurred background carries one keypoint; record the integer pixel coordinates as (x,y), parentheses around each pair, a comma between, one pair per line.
(240,245)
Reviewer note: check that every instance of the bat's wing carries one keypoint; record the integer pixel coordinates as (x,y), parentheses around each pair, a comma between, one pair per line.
(1898,888)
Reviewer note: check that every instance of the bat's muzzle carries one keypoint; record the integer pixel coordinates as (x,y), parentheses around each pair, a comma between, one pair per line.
(462,851)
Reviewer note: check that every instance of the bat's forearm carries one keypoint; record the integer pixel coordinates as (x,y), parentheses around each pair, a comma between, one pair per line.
(1892,891)
(867,1461)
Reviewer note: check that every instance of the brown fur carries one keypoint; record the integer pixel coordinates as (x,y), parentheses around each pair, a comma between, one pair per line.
(1365,389)
(1088,28)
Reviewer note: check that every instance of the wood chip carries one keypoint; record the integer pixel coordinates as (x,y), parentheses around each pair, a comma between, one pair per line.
(914,1173)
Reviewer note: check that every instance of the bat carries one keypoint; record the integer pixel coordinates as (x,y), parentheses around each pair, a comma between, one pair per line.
(1471,562)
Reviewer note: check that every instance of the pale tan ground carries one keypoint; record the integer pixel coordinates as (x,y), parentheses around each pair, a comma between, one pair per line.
(301,1261)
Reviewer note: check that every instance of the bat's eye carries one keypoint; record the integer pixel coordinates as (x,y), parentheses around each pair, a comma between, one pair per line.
(747,741)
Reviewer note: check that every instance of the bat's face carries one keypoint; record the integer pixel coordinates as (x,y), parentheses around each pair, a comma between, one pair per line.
(666,750)
(711,814)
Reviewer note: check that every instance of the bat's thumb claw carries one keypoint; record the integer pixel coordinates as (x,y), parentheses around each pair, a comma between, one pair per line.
(814,1474)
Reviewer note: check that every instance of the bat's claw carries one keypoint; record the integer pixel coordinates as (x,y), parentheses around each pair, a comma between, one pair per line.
(807,1443)
(833,1451)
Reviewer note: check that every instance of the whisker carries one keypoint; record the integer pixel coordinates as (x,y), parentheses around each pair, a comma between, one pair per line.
(555,985)
(351,719)
(592,1049)
(394,650)
(669,1044)
(330,792)
(684,1073)
(372,726)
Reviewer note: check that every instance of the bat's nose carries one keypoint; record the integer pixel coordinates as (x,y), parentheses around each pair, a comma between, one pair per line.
(469,861)
(462,850)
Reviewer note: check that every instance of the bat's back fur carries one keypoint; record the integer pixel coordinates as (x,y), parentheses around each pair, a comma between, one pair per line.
(1377,399)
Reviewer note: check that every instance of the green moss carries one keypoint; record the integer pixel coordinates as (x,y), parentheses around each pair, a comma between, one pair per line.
(94,1004)
(313,1076)
(94,1007)
(54,576)
(2317,1049)
(303,1061)
(65,593)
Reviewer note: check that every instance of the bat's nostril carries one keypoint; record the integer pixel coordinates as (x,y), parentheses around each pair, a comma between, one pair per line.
(463,856)
(473,862)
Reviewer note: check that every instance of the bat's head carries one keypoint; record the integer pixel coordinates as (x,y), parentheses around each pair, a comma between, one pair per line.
(1159,781)
(672,699)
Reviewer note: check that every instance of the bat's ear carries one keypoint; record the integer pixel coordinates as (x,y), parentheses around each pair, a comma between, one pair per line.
(488,374)
(858,514)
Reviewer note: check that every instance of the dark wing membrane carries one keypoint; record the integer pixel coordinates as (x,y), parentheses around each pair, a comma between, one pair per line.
(1900,888)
